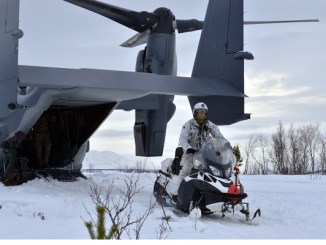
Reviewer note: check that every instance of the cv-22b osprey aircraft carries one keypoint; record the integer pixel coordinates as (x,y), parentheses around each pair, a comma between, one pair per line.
(47,114)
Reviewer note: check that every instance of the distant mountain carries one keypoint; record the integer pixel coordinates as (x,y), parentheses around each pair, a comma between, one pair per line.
(111,160)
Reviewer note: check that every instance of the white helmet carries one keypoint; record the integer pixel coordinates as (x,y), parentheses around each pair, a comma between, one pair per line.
(200,105)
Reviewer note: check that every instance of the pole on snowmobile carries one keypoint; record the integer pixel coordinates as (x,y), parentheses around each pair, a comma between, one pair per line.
(236,180)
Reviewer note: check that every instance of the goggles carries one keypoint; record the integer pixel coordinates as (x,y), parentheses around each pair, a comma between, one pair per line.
(201,111)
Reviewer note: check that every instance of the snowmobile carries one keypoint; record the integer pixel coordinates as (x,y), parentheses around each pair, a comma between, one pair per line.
(213,186)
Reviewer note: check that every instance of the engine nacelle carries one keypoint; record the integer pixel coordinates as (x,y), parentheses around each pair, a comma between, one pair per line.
(150,127)
(140,61)
(144,61)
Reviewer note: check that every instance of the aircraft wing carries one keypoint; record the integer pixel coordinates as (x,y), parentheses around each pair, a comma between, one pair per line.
(109,85)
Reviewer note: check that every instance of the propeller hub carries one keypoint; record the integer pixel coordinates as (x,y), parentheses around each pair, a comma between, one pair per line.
(144,19)
(165,21)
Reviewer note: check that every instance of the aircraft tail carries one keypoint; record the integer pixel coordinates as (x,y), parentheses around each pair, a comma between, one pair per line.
(220,56)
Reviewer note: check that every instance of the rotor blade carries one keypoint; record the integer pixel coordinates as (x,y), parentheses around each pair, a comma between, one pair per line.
(194,25)
(189,25)
(138,39)
(278,21)
(139,21)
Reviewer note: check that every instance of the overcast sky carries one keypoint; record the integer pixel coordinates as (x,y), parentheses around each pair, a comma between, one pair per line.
(285,82)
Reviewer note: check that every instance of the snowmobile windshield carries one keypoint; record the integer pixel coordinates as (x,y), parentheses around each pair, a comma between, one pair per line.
(216,156)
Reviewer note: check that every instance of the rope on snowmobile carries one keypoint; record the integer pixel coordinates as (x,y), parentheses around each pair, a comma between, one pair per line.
(165,174)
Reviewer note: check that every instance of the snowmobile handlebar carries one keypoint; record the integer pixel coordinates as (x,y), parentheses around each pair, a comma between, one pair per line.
(191,151)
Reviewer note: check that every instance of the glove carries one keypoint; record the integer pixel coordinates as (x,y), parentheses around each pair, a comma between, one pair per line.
(190,151)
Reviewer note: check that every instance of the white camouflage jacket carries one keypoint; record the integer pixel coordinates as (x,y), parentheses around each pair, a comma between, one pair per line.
(192,135)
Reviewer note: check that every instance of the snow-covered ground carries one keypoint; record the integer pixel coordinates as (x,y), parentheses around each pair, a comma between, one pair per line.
(293,207)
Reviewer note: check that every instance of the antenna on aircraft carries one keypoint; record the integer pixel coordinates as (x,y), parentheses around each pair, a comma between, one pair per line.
(278,21)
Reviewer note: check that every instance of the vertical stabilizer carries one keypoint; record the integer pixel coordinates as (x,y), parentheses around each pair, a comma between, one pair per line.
(9,35)
(220,56)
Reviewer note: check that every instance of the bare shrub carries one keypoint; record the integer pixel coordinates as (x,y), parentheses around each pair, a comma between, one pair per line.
(249,148)
(298,151)
(278,153)
(260,155)
(322,156)
(119,208)
(164,227)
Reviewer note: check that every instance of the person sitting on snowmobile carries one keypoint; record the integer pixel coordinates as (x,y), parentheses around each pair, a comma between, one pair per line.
(193,134)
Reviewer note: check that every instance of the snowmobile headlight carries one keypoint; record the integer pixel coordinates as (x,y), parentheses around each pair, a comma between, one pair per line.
(215,171)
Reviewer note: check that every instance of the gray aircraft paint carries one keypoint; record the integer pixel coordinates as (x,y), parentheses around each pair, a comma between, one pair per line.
(28,92)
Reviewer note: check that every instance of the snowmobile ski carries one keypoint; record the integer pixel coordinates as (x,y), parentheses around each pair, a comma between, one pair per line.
(254,220)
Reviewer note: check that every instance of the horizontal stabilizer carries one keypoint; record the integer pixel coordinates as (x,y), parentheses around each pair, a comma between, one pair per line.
(117,85)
